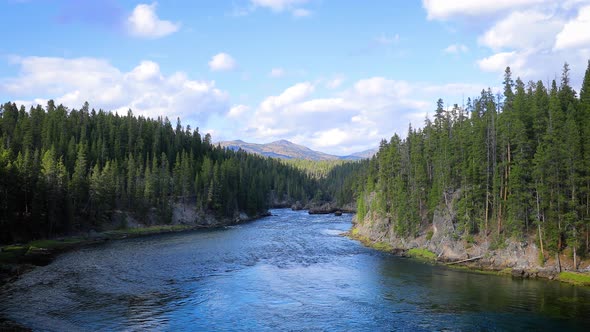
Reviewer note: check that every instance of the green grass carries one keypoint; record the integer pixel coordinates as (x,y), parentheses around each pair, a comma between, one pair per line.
(504,272)
(149,230)
(422,253)
(15,253)
(13,248)
(576,278)
(377,245)
(382,246)
(54,244)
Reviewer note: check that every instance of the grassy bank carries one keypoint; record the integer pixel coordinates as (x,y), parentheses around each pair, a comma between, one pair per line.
(422,253)
(18,259)
(367,242)
(574,278)
(18,253)
(147,230)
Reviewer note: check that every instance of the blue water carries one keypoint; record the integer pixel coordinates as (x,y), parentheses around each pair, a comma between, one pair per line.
(288,272)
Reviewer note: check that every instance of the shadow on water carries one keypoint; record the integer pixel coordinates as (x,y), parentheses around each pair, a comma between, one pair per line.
(448,298)
(291,271)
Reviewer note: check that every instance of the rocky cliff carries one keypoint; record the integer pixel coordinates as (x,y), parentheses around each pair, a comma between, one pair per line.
(521,257)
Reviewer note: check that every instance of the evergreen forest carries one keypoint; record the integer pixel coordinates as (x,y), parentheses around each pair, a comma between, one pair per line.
(512,165)
(64,171)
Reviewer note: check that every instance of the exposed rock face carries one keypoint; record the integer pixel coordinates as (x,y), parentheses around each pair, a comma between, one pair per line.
(297,206)
(182,214)
(328,208)
(447,243)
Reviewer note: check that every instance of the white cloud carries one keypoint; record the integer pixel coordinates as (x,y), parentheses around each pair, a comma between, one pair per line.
(222,62)
(576,32)
(291,95)
(445,9)
(456,49)
(348,120)
(500,61)
(143,22)
(146,71)
(331,137)
(520,30)
(144,89)
(237,111)
(533,37)
(277,72)
(278,6)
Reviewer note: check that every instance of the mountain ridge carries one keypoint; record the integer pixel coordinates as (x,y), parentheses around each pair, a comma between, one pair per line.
(285,149)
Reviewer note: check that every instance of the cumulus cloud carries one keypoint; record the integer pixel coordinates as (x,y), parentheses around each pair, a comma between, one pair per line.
(144,89)
(523,29)
(444,9)
(575,32)
(500,61)
(237,111)
(145,23)
(456,49)
(222,62)
(533,37)
(348,120)
(291,95)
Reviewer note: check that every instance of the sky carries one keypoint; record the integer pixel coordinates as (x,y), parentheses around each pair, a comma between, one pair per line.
(336,76)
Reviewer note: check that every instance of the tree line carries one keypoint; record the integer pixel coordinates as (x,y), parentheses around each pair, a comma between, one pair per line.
(511,164)
(65,170)
(339,181)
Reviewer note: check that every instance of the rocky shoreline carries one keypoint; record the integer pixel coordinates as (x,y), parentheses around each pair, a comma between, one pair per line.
(32,256)
(18,259)
(440,242)
(323,208)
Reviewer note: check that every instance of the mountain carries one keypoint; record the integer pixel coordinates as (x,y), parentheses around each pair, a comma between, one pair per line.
(287,150)
(365,154)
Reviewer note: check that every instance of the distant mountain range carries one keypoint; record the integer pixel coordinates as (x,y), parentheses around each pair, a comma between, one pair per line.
(288,150)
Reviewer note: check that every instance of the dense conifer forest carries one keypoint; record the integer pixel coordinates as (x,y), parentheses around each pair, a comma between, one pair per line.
(339,181)
(514,165)
(63,171)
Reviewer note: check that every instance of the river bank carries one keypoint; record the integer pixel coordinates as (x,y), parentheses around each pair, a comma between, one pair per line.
(270,275)
(436,244)
(19,258)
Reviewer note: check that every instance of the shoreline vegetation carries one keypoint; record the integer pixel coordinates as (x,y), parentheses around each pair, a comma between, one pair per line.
(500,183)
(20,258)
(427,256)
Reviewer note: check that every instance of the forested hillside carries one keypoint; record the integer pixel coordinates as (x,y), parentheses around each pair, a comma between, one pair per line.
(515,165)
(339,181)
(65,170)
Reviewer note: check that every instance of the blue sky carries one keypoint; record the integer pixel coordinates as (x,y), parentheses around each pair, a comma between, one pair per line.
(336,76)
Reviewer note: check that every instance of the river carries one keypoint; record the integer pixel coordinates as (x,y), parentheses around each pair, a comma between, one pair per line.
(291,271)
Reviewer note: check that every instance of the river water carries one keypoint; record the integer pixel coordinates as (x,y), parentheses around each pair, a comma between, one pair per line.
(288,272)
